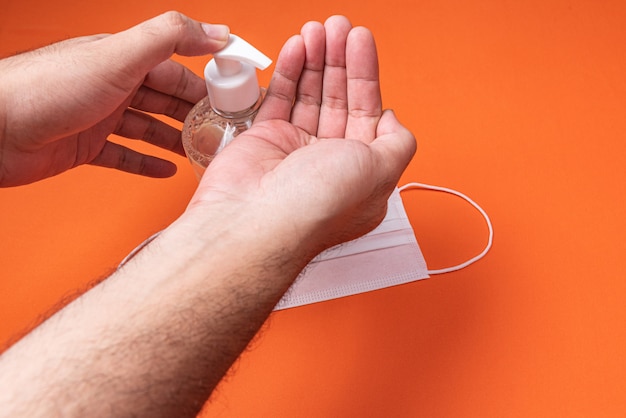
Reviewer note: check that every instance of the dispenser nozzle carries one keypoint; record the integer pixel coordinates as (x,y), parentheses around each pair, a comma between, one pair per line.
(231,76)
(239,50)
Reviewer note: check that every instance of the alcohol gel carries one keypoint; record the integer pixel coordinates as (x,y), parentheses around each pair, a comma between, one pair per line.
(233,100)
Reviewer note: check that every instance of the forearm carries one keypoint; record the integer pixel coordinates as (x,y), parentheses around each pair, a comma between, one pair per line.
(156,337)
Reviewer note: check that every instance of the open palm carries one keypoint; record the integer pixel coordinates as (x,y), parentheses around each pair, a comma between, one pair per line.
(321,144)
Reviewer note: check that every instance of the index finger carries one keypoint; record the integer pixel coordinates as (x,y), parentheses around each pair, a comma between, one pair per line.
(281,93)
(137,50)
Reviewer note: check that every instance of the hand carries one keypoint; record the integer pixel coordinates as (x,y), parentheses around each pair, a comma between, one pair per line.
(59,104)
(321,158)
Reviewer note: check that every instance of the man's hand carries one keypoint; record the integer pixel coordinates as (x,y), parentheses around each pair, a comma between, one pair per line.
(321,156)
(59,104)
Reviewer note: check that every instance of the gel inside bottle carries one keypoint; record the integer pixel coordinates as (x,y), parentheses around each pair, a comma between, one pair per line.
(233,100)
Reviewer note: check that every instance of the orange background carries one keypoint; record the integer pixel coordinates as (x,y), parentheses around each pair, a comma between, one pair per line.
(520,104)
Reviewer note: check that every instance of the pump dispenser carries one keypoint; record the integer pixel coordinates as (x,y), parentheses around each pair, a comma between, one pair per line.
(233,100)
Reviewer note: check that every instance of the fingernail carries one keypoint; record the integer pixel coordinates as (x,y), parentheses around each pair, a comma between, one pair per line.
(217,32)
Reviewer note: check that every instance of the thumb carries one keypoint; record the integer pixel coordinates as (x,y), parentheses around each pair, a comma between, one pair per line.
(394,143)
(142,47)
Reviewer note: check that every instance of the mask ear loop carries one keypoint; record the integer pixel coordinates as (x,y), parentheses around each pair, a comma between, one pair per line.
(471,202)
(137,249)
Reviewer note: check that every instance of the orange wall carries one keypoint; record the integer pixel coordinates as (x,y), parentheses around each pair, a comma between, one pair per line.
(522,105)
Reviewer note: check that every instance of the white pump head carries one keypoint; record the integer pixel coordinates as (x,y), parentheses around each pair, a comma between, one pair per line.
(231,75)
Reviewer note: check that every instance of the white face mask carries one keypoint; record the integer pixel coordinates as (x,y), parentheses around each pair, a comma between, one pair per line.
(387,256)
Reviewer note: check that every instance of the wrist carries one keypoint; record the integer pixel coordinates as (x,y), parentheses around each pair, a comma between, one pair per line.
(236,243)
(259,224)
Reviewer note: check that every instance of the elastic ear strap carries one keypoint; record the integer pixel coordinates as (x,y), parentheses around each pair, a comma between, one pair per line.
(471,202)
(137,249)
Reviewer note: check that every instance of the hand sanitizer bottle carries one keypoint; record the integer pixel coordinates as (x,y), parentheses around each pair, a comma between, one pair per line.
(233,100)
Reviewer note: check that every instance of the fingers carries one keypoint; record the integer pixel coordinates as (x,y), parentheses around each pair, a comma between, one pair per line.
(334,108)
(308,87)
(284,84)
(152,101)
(176,80)
(124,159)
(137,50)
(327,83)
(364,98)
(138,125)
(351,99)
(306,109)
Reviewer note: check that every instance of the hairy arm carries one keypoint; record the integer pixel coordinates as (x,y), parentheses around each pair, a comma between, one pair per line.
(156,337)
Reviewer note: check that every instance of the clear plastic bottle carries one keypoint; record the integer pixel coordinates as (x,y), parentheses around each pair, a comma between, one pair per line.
(234,98)
(207,131)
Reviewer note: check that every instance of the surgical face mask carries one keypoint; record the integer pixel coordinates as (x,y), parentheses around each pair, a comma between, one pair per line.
(387,256)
